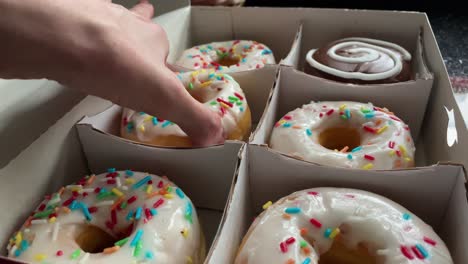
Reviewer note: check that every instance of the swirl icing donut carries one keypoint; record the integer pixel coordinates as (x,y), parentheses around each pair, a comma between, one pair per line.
(361,61)
(218,91)
(340,226)
(345,134)
(228,56)
(115,217)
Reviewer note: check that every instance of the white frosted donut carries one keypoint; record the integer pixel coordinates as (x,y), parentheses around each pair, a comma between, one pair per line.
(340,226)
(228,56)
(218,91)
(115,217)
(345,134)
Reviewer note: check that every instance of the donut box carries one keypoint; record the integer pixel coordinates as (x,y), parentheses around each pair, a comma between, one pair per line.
(230,183)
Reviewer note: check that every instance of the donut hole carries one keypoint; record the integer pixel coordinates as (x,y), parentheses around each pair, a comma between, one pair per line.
(93,239)
(340,254)
(338,138)
(228,61)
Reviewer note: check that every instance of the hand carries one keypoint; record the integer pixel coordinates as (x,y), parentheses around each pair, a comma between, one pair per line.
(217,2)
(105,50)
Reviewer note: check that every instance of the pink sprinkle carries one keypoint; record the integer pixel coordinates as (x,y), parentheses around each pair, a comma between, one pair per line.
(75,194)
(350,196)
(313,193)
(258,66)
(315,222)
(150,182)
(85,194)
(148,213)
(321,115)
(158,203)
(223,111)
(324,106)
(92,209)
(125,121)
(330,112)
(417,253)
(391,144)
(132,199)
(277,124)
(109,225)
(41,207)
(398,153)
(370,129)
(195,64)
(68,202)
(283,247)
(112,175)
(53,215)
(406,128)
(287,117)
(97,190)
(429,241)
(239,96)
(406,252)
(290,240)
(395,118)
(369,157)
(59,253)
(112,181)
(225,102)
(160,184)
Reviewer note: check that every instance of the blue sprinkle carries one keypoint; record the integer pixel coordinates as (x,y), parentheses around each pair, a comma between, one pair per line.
(74,205)
(266,52)
(241,109)
(130,126)
(356,149)
(129,173)
(153,212)
(308,132)
(85,210)
(211,75)
(17,253)
(129,215)
(111,170)
(406,216)
(166,123)
(141,182)
(180,193)
(350,157)
(138,213)
(24,245)
(287,125)
(369,115)
(244,60)
(189,209)
(292,210)
(154,120)
(103,190)
(219,78)
(306,261)
(422,250)
(209,47)
(136,238)
(327,232)
(179,76)
(149,255)
(347,113)
(142,113)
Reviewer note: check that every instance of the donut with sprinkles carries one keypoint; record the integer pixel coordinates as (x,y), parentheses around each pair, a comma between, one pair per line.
(334,225)
(345,134)
(114,217)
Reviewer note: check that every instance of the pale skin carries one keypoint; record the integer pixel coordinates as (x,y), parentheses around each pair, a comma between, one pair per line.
(104,50)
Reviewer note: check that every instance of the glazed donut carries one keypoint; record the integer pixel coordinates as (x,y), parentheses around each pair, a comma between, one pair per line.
(115,217)
(340,226)
(360,61)
(345,134)
(228,56)
(218,91)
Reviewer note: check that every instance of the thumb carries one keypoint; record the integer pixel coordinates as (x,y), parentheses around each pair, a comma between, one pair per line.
(144,10)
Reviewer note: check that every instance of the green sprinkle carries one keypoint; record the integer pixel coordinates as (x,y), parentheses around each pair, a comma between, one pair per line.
(121,242)
(43,214)
(303,244)
(239,103)
(169,189)
(123,205)
(233,98)
(75,254)
(366,110)
(190,86)
(213,103)
(138,248)
(103,195)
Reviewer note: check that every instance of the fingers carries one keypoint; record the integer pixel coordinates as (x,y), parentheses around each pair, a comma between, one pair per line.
(144,10)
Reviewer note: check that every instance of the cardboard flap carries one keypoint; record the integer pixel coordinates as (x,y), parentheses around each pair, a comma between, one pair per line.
(161,6)
(293,57)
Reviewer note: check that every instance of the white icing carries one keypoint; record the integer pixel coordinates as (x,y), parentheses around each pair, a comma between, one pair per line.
(296,140)
(207,87)
(251,54)
(161,234)
(363,216)
(368,53)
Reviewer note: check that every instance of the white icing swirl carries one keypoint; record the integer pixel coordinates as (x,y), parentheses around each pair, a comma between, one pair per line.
(363,50)
(385,140)
(302,226)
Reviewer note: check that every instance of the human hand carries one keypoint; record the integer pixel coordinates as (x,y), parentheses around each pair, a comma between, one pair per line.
(217,2)
(108,51)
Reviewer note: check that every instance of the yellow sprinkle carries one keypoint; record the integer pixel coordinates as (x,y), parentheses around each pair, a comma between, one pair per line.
(368,166)
(40,257)
(117,192)
(76,189)
(194,74)
(266,205)
(168,196)
(52,219)
(129,181)
(205,84)
(334,233)
(149,189)
(18,239)
(185,232)
(66,209)
(391,153)
(342,107)
(402,149)
(142,128)
(224,105)
(148,118)
(408,159)
(282,121)
(382,129)
(189,260)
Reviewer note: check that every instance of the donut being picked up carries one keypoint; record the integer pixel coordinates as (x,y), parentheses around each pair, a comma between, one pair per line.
(217,91)
(360,61)
(227,56)
(114,217)
(345,226)
(345,134)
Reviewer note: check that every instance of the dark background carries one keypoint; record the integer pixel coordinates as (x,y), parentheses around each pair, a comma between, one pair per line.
(448,19)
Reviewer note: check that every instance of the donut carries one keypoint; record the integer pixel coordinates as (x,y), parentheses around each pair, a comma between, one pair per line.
(333,225)
(217,91)
(345,134)
(360,61)
(227,56)
(114,217)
